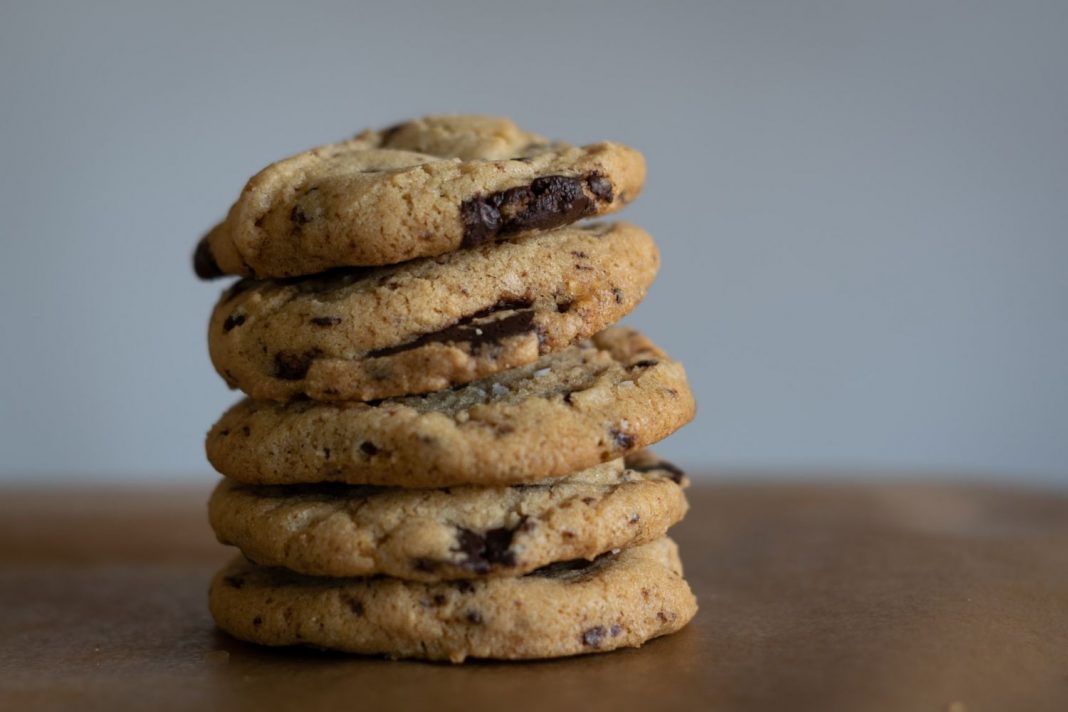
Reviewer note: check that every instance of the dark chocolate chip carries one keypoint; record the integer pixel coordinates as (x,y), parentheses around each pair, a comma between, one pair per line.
(354,605)
(290,366)
(622,440)
(483,552)
(594,636)
(674,472)
(436,602)
(615,630)
(564,306)
(465,586)
(326,320)
(618,294)
(368,448)
(204,263)
(232,321)
(482,222)
(298,217)
(257,621)
(644,363)
(634,518)
(474,617)
(478,334)
(600,186)
(560,569)
(547,202)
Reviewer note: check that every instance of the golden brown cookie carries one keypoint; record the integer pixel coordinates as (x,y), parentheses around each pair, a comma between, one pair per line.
(454,533)
(570,410)
(426,325)
(417,189)
(618,600)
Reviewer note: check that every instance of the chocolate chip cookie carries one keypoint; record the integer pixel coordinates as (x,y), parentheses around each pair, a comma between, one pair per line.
(567,411)
(417,189)
(364,334)
(460,532)
(618,600)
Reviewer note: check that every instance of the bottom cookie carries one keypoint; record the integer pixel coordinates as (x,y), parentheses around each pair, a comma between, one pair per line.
(618,600)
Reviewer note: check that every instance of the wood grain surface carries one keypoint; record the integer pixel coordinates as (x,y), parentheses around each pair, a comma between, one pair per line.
(836,597)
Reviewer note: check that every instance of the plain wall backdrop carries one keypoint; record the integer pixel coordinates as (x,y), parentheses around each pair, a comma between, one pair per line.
(862,208)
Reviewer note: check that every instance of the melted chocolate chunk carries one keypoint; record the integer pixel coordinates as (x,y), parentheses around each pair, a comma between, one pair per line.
(368,448)
(290,366)
(477,335)
(594,636)
(577,569)
(661,465)
(488,550)
(326,320)
(548,202)
(257,621)
(232,321)
(204,263)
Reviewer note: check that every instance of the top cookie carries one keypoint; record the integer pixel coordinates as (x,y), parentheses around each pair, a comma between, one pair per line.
(416,189)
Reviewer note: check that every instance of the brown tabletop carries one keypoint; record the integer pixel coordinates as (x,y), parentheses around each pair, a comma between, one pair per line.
(858,597)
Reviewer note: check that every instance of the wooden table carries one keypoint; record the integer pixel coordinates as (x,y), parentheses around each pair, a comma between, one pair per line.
(837,597)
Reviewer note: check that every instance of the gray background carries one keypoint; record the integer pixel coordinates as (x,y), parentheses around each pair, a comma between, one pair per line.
(862,208)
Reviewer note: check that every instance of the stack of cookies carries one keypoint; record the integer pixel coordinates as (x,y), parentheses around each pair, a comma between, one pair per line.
(441,452)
